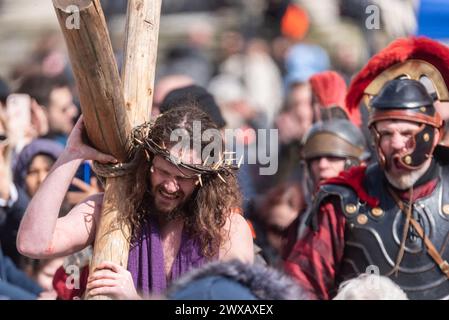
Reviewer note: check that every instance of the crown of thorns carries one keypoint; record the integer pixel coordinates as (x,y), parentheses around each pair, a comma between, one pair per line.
(143,138)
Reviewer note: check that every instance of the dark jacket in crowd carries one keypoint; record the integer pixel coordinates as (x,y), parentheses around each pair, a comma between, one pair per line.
(14,284)
(10,218)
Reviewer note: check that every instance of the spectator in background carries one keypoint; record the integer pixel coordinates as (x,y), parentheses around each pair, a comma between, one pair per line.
(298,115)
(188,60)
(303,61)
(48,57)
(274,11)
(230,95)
(292,124)
(34,163)
(176,6)
(294,23)
(37,127)
(13,200)
(261,83)
(231,42)
(55,96)
(271,214)
(14,284)
(191,58)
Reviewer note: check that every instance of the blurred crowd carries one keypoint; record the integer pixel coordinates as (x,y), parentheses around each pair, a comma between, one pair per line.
(285,65)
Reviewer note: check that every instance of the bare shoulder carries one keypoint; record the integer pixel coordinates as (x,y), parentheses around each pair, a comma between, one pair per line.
(235,222)
(238,242)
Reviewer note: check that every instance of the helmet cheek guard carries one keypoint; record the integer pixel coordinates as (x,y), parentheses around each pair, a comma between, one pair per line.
(420,147)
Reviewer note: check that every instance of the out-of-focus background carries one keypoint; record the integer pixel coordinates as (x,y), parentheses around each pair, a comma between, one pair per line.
(29,29)
(255,57)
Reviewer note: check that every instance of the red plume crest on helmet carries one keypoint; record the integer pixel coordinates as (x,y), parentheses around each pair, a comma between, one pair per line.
(398,51)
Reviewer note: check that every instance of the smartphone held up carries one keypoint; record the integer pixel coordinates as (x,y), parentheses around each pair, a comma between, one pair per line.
(18,111)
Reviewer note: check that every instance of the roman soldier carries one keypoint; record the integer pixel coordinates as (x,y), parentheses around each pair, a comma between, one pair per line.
(391,218)
(333,144)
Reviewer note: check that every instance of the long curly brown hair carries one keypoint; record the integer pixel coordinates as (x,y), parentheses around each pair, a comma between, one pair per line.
(210,204)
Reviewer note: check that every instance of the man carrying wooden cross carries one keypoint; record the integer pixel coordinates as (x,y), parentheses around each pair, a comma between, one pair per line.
(184,209)
(111,107)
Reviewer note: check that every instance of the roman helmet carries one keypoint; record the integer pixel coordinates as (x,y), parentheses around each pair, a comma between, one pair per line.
(335,138)
(392,87)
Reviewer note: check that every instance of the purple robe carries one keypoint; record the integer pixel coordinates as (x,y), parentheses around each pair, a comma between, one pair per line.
(146,260)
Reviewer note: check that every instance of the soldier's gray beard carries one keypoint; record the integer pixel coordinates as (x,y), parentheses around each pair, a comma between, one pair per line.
(405,181)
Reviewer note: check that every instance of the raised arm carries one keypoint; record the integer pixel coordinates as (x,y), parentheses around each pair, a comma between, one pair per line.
(41,233)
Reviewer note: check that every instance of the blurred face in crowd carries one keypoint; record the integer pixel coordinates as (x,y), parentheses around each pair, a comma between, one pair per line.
(171,186)
(61,111)
(396,139)
(324,168)
(37,171)
(300,105)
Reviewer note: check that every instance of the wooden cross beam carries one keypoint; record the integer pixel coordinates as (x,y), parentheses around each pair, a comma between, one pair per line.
(111,105)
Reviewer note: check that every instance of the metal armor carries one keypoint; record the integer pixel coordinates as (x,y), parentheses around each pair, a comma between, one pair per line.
(373,235)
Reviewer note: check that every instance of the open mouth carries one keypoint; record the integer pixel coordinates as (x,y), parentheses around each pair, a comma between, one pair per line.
(168,196)
(398,165)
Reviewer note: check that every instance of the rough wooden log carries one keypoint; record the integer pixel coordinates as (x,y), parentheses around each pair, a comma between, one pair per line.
(139,66)
(97,79)
(142,28)
(105,116)
(96,75)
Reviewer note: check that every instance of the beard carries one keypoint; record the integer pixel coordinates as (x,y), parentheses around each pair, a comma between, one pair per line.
(165,212)
(404,179)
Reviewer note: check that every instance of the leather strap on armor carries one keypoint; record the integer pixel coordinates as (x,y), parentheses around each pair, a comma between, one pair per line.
(433,252)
